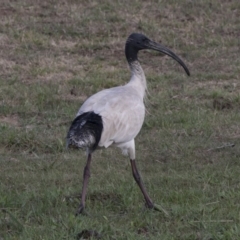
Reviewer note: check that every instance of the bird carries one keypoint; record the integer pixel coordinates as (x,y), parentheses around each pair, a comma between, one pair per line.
(115,116)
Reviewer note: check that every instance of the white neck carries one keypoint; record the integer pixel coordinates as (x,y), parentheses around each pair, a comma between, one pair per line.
(138,79)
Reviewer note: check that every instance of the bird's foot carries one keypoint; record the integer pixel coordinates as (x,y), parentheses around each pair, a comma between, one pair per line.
(81,210)
(157,207)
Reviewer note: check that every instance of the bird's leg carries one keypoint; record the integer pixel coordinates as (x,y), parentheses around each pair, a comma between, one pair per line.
(149,202)
(136,175)
(86,176)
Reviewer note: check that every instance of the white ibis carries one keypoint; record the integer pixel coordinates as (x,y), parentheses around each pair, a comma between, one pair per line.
(115,116)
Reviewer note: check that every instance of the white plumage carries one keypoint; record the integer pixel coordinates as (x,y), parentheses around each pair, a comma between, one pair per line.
(115,116)
(122,111)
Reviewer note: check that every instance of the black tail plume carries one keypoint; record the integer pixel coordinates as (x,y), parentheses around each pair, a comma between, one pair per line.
(85,131)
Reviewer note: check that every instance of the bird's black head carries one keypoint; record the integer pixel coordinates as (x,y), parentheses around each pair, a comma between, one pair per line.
(135,42)
(138,41)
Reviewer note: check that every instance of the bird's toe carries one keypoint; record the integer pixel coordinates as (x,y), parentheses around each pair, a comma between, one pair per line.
(80,210)
(157,207)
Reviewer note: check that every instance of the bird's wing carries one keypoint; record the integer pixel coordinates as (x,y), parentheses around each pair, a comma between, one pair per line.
(122,112)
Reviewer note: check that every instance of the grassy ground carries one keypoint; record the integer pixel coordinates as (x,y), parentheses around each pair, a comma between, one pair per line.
(54,54)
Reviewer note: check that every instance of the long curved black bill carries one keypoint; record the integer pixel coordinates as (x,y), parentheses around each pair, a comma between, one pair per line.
(160,48)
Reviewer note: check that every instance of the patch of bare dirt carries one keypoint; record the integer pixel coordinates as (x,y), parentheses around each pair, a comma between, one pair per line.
(5,11)
(143,231)
(213,84)
(12,120)
(55,77)
(6,65)
(102,197)
(89,234)
(72,97)
(221,103)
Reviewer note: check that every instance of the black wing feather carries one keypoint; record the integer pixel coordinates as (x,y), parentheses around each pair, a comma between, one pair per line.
(85,131)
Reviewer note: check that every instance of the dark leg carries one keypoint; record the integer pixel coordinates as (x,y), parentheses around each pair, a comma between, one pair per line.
(149,202)
(86,176)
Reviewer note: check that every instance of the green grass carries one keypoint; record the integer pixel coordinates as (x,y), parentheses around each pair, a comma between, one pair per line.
(54,54)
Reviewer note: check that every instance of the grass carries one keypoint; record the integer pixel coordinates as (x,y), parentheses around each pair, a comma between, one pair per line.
(54,54)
